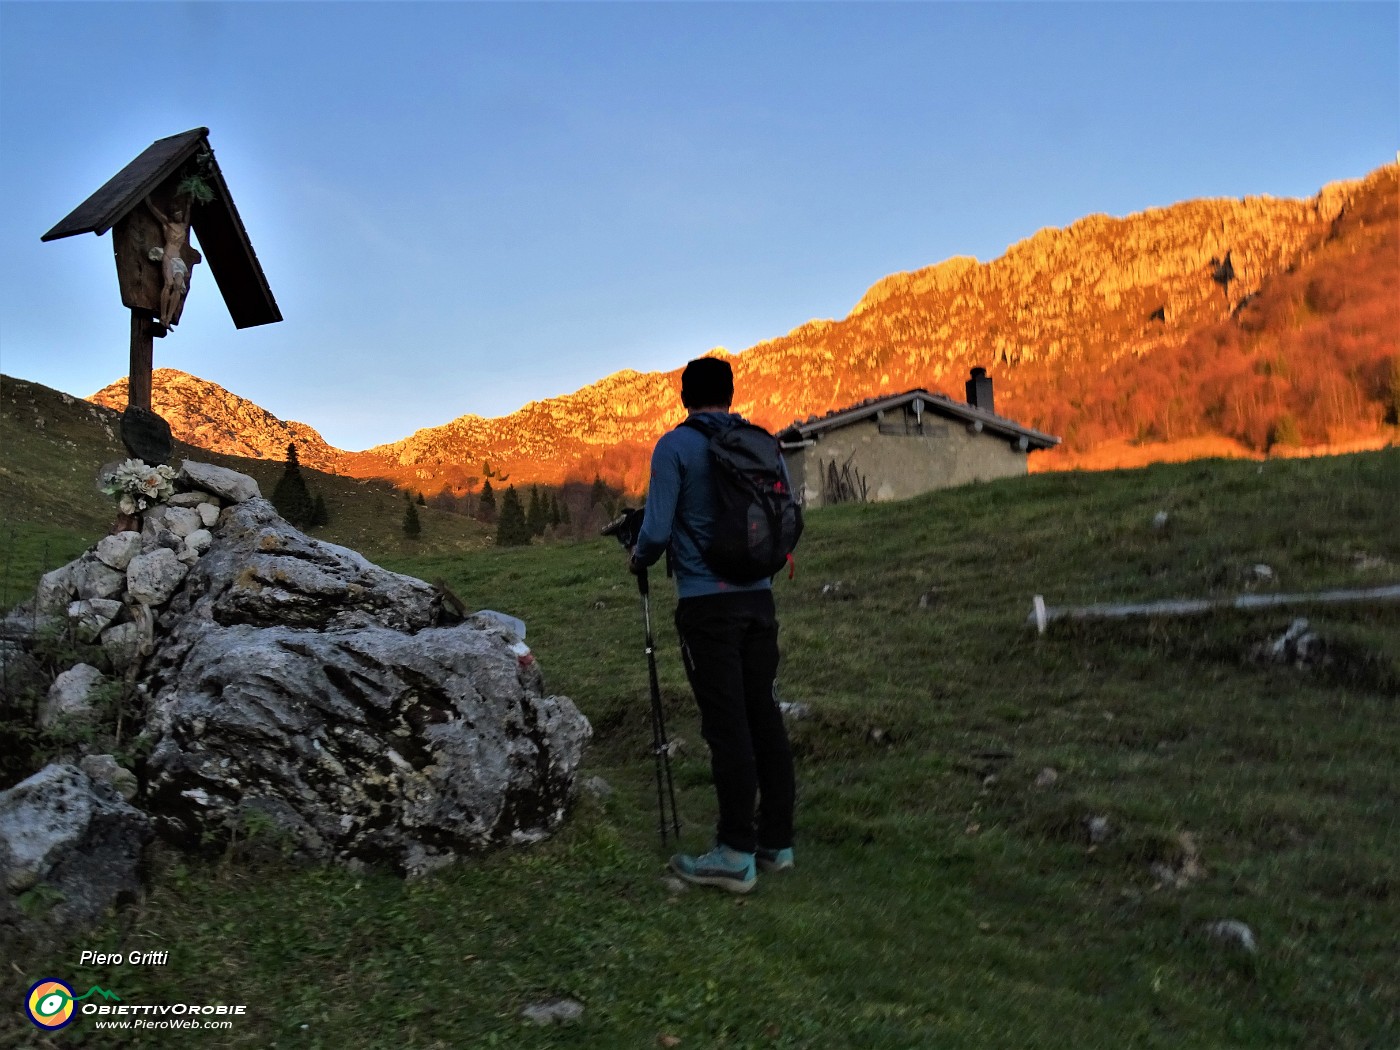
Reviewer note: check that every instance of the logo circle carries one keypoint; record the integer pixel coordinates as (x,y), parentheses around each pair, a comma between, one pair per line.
(50,1004)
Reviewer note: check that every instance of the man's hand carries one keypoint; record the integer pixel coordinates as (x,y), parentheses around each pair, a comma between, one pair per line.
(635,567)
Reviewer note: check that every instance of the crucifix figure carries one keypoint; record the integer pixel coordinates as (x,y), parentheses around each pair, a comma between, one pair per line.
(175,271)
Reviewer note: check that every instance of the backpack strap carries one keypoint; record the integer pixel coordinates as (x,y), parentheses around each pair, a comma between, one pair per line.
(707,428)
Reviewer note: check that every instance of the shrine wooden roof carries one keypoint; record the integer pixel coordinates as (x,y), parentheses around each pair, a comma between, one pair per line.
(222,238)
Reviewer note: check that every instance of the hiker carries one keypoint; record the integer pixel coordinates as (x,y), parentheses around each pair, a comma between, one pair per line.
(729,642)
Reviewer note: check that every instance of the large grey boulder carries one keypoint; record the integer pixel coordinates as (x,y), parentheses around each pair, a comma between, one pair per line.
(291,689)
(69,850)
(304,691)
(363,744)
(264,572)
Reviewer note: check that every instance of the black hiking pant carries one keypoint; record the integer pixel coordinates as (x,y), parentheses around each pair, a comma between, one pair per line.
(730,646)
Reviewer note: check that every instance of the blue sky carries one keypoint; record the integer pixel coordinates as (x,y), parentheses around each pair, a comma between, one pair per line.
(462,207)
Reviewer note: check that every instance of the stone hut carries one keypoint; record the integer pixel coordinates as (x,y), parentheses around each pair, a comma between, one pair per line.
(899,446)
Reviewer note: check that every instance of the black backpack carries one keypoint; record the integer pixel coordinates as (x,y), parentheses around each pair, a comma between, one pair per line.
(757,520)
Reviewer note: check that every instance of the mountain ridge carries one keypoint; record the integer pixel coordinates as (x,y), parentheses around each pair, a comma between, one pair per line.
(1070,321)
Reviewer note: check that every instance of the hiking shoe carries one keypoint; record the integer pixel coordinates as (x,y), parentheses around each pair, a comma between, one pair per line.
(722,867)
(775,859)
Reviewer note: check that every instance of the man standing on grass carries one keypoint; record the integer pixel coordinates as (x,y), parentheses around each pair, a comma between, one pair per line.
(729,642)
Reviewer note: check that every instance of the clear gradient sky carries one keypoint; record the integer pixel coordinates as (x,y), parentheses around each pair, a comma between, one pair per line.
(462,207)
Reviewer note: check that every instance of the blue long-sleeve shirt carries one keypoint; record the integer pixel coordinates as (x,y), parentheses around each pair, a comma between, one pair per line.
(679,511)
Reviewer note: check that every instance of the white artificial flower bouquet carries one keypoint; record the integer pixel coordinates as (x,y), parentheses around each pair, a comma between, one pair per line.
(138,485)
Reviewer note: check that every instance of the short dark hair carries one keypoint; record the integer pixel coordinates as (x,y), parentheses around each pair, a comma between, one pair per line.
(707,381)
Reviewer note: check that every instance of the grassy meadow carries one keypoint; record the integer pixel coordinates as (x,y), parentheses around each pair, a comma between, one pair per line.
(1005,839)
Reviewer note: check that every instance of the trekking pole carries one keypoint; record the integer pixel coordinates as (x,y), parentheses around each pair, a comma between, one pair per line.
(660,747)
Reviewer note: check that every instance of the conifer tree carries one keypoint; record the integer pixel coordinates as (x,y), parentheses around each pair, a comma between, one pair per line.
(536,517)
(486,506)
(319,514)
(512,529)
(555,517)
(422,502)
(412,527)
(291,496)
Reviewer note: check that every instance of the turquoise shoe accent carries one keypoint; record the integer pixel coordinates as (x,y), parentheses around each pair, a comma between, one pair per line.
(775,859)
(723,868)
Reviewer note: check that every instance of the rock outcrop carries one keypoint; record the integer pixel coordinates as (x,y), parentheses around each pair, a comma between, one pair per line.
(208,416)
(299,682)
(289,688)
(70,849)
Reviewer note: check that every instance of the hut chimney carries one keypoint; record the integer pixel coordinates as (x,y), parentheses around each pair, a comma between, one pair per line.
(979,390)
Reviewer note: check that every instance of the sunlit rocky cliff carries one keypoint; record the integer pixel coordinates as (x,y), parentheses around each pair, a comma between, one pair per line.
(1262,324)
(207,415)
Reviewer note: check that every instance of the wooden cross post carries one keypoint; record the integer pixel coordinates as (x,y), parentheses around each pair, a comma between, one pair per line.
(138,376)
(151,206)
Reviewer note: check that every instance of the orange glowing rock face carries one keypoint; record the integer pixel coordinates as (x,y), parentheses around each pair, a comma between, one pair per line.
(1126,337)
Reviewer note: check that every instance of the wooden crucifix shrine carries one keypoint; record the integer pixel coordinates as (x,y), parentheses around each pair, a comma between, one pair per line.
(151,206)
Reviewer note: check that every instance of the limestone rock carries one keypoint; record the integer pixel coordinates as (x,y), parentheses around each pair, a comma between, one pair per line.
(1234,933)
(228,485)
(264,572)
(1299,645)
(70,697)
(117,550)
(93,579)
(104,769)
(56,589)
(91,616)
(199,540)
(122,643)
(61,832)
(553,1011)
(182,520)
(208,514)
(365,744)
(1098,829)
(292,685)
(598,788)
(192,498)
(151,578)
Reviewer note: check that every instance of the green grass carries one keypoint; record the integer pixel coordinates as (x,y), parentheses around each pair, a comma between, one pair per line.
(941,898)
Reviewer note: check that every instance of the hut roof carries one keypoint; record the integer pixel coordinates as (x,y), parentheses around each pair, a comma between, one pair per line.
(940,404)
